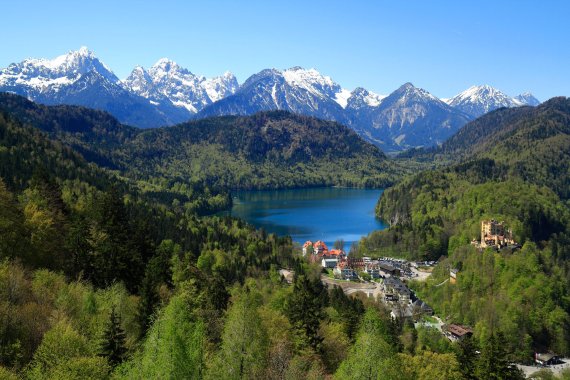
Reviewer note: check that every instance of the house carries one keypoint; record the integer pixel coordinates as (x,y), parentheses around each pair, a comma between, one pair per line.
(335,253)
(345,273)
(389,269)
(329,262)
(356,263)
(456,333)
(308,248)
(546,359)
(320,248)
(453,275)
(397,289)
(372,270)
(421,308)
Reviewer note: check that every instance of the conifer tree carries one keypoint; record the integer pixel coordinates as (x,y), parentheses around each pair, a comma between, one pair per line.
(493,364)
(305,309)
(113,342)
(466,355)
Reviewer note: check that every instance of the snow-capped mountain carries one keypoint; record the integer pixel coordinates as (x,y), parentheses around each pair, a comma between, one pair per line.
(80,78)
(42,75)
(167,93)
(408,117)
(296,89)
(361,98)
(167,80)
(478,100)
(528,99)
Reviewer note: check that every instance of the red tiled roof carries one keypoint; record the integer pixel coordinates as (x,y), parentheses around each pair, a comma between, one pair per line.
(321,243)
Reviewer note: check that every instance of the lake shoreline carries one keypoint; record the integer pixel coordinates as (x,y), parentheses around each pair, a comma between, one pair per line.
(315,213)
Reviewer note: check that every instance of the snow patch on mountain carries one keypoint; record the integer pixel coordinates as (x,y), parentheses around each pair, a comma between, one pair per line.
(312,81)
(168,80)
(342,97)
(43,75)
(478,100)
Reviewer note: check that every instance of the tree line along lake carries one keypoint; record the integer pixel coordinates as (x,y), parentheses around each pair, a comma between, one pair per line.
(325,213)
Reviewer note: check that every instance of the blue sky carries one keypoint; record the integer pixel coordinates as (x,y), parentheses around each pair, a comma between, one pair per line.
(442,46)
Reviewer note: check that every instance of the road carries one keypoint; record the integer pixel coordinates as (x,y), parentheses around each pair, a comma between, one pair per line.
(556,369)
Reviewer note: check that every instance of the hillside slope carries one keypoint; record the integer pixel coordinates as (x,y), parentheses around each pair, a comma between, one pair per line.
(532,143)
(268,150)
(514,168)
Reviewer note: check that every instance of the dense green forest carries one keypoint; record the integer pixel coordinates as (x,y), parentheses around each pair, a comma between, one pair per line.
(514,168)
(530,143)
(180,165)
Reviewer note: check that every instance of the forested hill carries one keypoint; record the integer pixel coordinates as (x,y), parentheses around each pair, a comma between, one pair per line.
(504,126)
(517,154)
(96,134)
(267,150)
(531,143)
(514,168)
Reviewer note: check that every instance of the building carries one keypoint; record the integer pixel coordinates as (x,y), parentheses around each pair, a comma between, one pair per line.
(495,234)
(344,272)
(308,248)
(546,359)
(421,308)
(356,263)
(335,253)
(453,275)
(329,262)
(389,269)
(372,270)
(456,333)
(320,248)
(394,288)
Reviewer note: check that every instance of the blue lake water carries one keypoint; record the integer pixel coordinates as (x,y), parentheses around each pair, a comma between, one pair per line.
(326,214)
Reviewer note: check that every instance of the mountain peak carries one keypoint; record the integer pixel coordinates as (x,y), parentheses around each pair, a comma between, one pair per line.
(527,98)
(478,100)
(312,81)
(166,82)
(360,97)
(166,64)
(41,74)
(84,51)
(408,91)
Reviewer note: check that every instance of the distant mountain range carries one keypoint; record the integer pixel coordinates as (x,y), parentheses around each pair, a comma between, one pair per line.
(167,94)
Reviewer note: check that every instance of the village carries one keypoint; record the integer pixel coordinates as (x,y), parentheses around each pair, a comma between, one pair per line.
(385,279)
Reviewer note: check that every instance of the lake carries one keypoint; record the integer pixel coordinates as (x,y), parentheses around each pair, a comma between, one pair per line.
(326,214)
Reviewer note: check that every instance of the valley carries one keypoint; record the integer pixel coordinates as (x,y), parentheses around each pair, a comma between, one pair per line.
(169,240)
